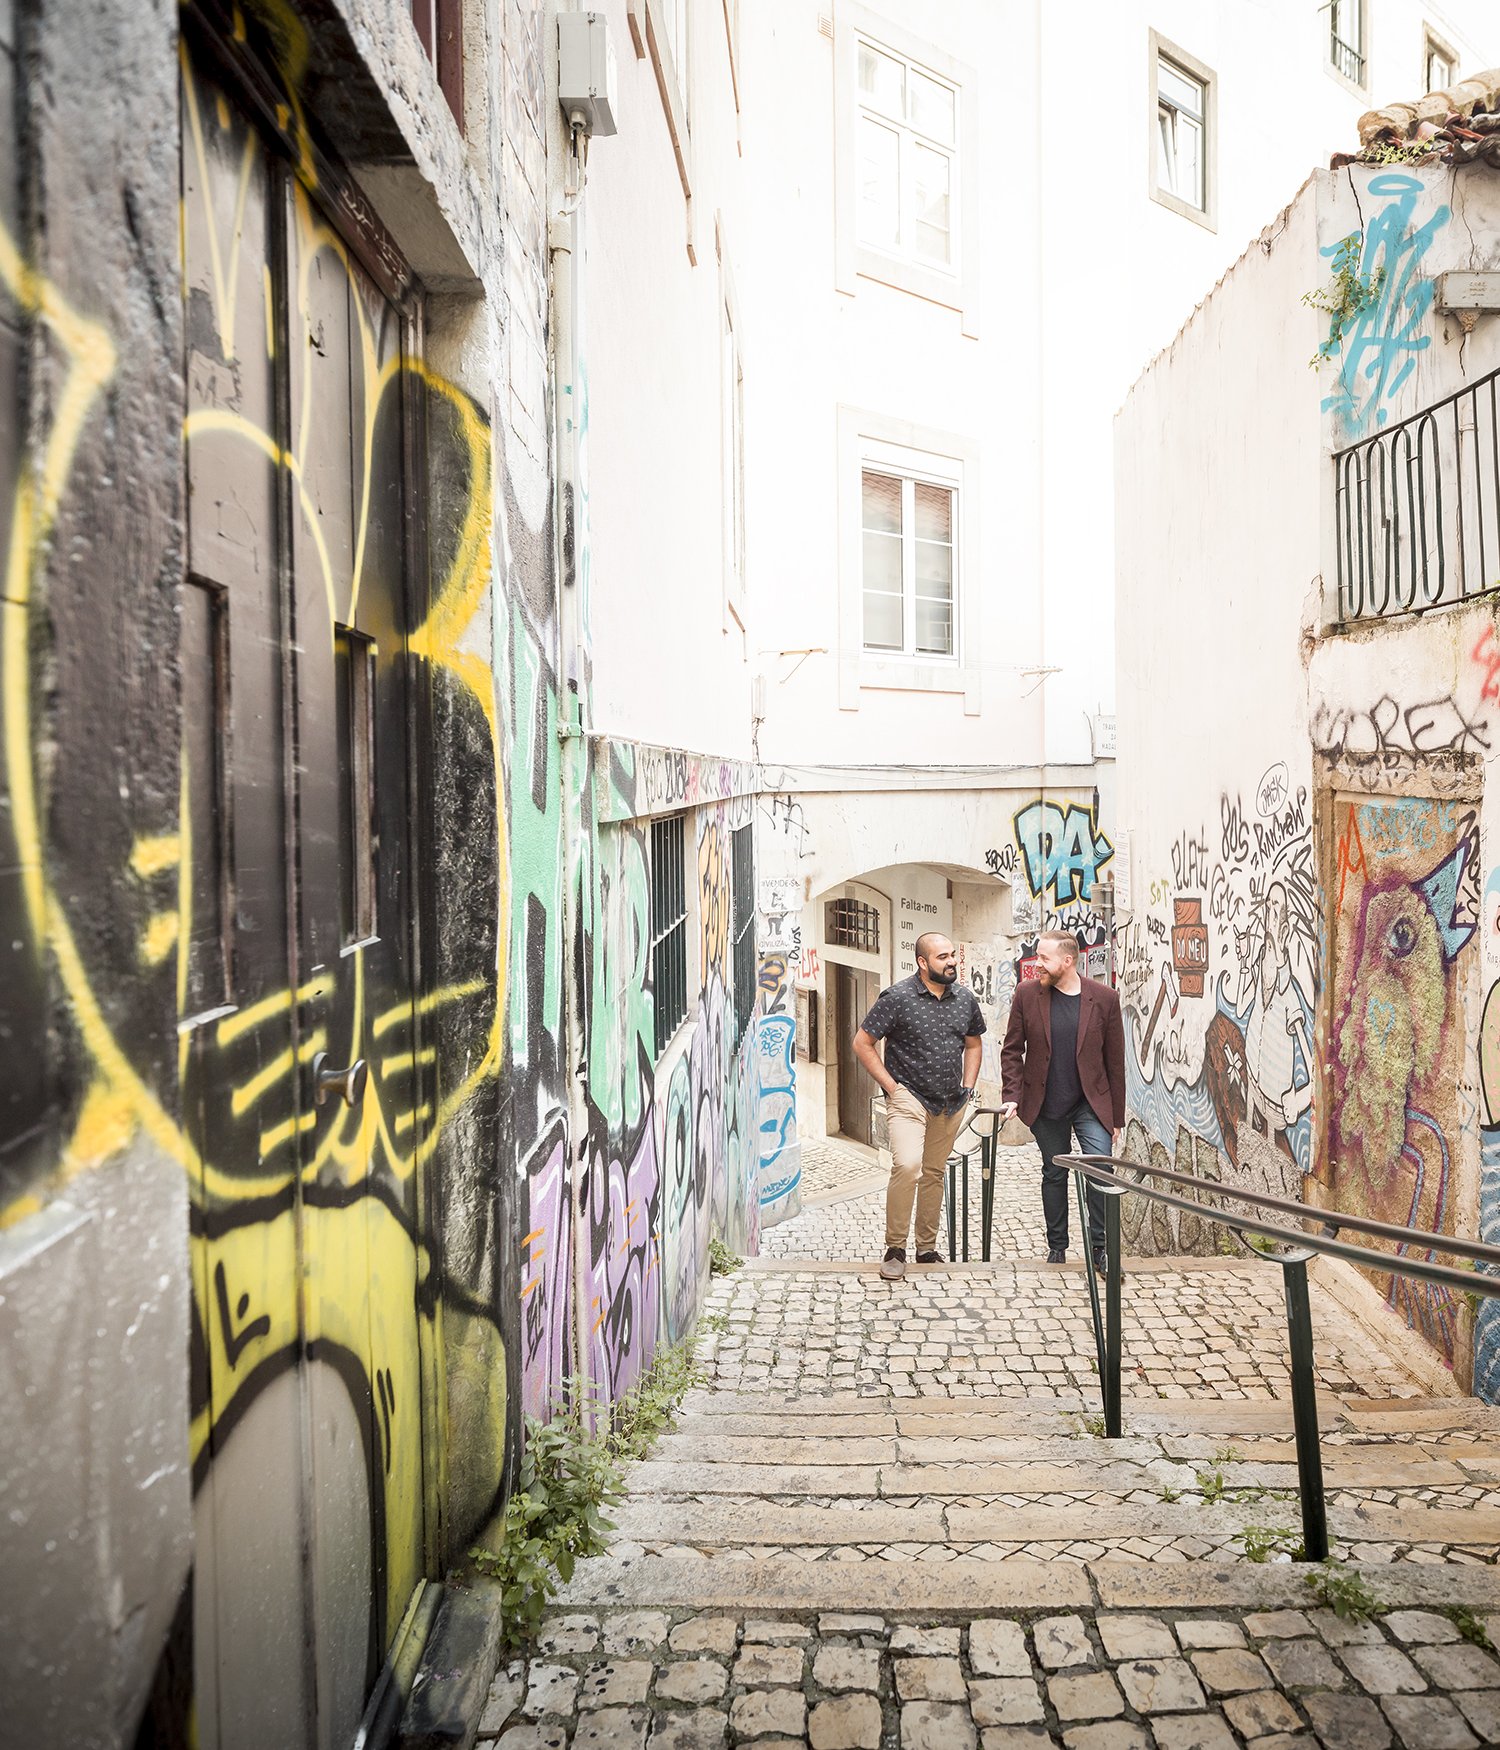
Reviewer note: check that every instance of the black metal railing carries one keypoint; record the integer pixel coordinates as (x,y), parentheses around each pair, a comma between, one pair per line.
(1104,1171)
(1349,61)
(972,1141)
(1417,509)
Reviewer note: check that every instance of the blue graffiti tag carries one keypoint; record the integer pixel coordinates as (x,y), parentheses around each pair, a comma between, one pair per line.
(1064,852)
(1380,345)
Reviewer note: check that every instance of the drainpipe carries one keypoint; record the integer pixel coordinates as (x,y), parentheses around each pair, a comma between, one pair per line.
(565,249)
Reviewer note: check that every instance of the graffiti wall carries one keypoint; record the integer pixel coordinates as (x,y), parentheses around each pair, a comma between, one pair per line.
(1406,912)
(1219,975)
(326,1148)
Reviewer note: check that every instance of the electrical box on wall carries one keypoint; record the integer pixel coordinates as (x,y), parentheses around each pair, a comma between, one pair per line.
(1469,291)
(586,83)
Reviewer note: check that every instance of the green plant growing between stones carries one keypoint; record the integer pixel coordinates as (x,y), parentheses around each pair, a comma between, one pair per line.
(1468,1625)
(554,1517)
(714,1324)
(721,1261)
(1229,1455)
(1168,1493)
(1347,1595)
(570,1475)
(1263,1542)
(1212,1484)
(1343,302)
(1093,1425)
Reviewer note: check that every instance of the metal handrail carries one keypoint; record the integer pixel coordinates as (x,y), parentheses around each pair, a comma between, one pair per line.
(1100,1170)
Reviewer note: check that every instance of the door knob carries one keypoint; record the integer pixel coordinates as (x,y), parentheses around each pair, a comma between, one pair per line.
(347,1084)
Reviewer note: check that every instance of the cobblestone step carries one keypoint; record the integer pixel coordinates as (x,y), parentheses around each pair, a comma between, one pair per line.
(712,1528)
(705,1470)
(967,1586)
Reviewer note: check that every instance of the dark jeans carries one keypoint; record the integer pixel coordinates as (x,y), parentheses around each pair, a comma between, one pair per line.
(1054,1137)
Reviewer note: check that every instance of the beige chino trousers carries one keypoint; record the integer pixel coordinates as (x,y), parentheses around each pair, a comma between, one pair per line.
(921,1142)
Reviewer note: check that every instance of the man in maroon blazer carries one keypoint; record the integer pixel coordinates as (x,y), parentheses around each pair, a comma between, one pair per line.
(1062,1067)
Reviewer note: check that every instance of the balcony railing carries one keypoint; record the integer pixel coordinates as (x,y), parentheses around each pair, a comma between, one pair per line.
(1417,509)
(1349,61)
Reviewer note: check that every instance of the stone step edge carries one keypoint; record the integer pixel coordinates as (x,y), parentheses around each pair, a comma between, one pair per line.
(707,1404)
(667,1582)
(1179,1266)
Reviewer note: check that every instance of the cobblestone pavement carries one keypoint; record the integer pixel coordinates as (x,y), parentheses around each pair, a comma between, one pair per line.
(831,1165)
(1283,1679)
(853,1226)
(1215,1329)
(885,1521)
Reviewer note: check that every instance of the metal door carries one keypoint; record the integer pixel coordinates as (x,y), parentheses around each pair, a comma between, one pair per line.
(299,1058)
(854,992)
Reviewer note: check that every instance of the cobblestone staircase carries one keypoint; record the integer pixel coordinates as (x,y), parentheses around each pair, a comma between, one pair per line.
(886,1522)
(768,1499)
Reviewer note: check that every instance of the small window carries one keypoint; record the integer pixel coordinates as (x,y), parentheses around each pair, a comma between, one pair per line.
(440,29)
(1441,68)
(850,923)
(668,927)
(907,158)
(909,548)
(1183,95)
(1181,117)
(1346,39)
(742,898)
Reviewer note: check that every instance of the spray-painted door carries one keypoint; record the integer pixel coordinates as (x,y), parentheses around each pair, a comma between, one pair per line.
(300,1065)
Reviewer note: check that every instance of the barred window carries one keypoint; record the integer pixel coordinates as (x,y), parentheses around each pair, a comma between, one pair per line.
(742,894)
(850,923)
(668,927)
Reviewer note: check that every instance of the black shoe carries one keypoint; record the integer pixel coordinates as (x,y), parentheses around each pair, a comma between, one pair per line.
(1101,1264)
(1057,1256)
(929,1257)
(893,1265)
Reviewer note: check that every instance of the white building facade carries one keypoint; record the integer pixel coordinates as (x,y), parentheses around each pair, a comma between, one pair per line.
(858,535)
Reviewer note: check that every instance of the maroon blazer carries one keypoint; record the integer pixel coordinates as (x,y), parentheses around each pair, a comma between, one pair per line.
(1101,1051)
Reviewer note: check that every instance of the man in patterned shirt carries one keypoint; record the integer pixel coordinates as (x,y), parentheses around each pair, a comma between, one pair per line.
(931,1033)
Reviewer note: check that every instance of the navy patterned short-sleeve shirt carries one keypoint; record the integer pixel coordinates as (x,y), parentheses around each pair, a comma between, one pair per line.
(924,1038)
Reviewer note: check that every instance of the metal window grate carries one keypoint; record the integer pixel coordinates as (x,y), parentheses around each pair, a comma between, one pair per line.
(742,892)
(668,927)
(1417,509)
(850,923)
(1346,21)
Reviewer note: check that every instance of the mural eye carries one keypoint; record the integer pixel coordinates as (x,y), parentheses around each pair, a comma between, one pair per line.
(1402,938)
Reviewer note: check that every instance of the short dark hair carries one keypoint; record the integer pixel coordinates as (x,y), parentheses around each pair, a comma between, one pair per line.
(924,941)
(1064,939)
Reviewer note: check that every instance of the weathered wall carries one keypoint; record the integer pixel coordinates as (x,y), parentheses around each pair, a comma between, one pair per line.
(94,1481)
(1218,533)
(1303,970)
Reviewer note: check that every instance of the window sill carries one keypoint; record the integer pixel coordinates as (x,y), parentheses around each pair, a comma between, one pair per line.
(1185,209)
(909,674)
(1363,92)
(934,284)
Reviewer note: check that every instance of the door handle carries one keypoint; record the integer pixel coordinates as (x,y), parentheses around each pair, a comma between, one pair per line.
(348,1084)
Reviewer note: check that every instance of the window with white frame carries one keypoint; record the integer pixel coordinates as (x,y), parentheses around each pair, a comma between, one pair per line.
(1182,133)
(907,157)
(1440,68)
(908,528)
(1346,38)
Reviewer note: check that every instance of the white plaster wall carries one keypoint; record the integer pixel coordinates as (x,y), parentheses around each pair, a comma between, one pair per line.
(665,668)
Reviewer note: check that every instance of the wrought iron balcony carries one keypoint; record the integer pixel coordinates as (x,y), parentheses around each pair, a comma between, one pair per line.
(1417,509)
(1349,61)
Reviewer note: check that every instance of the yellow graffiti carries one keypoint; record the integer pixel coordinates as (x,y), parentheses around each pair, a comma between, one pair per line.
(160,937)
